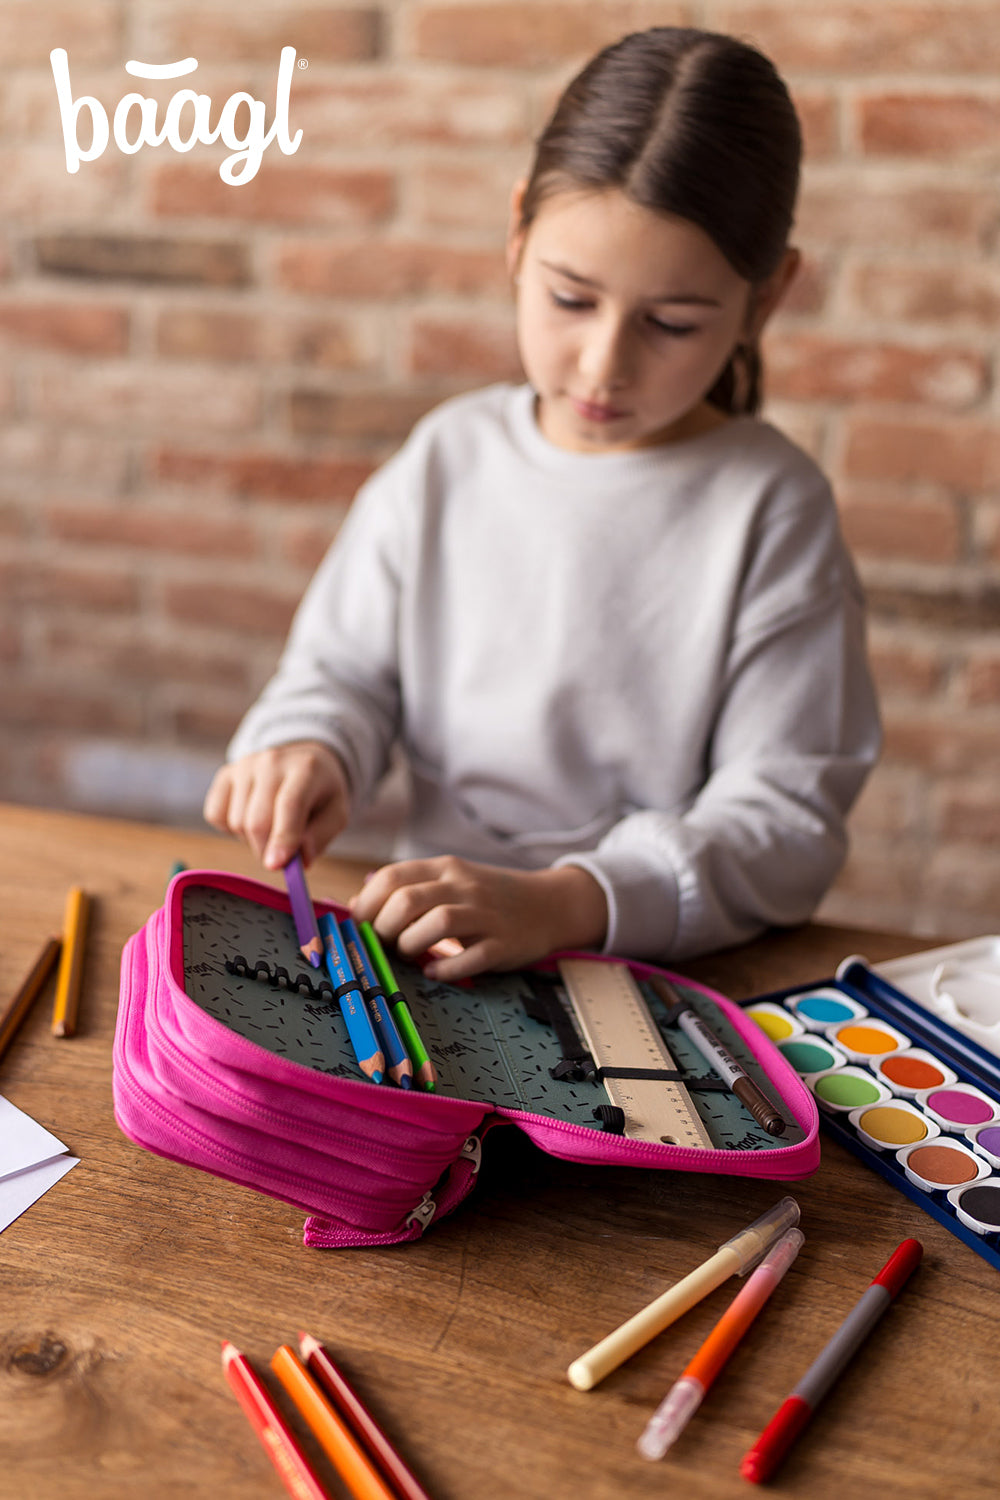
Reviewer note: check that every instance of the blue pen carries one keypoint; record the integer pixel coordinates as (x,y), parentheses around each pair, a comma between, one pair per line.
(399,1066)
(348,992)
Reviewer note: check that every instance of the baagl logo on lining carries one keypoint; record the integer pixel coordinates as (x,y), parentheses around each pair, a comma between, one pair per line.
(187,119)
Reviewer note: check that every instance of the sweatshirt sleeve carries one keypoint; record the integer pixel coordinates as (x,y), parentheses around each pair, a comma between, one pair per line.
(795,734)
(338,680)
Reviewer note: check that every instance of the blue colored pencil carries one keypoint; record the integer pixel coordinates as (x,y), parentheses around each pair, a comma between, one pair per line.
(311,944)
(351,1001)
(398,1064)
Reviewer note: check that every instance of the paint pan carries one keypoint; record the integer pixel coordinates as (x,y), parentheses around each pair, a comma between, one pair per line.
(812,1054)
(822,1008)
(939,1165)
(986,1140)
(908,1073)
(958,1106)
(867,1039)
(978,1205)
(775,1021)
(843,1089)
(896,1123)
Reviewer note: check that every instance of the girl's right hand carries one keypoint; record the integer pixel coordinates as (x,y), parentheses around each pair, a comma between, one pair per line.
(290,800)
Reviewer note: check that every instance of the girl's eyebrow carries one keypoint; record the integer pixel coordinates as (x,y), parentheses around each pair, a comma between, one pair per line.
(690,298)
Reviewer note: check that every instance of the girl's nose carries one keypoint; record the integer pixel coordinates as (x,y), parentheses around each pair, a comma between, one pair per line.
(604,357)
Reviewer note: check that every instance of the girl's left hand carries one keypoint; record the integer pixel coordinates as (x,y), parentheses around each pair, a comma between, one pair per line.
(502,918)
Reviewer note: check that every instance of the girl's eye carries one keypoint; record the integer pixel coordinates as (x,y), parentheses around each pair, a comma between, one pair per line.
(569,303)
(675,330)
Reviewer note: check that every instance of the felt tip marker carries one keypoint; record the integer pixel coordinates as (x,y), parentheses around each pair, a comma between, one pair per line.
(761,1461)
(347,989)
(687,1393)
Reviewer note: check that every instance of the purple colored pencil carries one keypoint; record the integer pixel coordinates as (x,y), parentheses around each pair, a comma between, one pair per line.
(311,944)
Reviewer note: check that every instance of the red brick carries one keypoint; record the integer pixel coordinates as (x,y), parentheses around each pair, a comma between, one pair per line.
(819,118)
(154,398)
(374,416)
(206,723)
(531,35)
(819,367)
(66,707)
(281,193)
(251,609)
(198,333)
(965,882)
(390,268)
(305,545)
(145,258)
(968,606)
(76,327)
(227,33)
(891,803)
(463,348)
(143,661)
(966,126)
(326,343)
(466,193)
(858,38)
(38,451)
(11,642)
(60,586)
(962,453)
(979,680)
(150,529)
(36,188)
(272,475)
(907,669)
(810,289)
(944,746)
(396,110)
(874,208)
(968,812)
(886,521)
(928,294)
(91,34)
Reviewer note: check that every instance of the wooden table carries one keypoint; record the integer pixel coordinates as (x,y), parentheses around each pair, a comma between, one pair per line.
(118,1285)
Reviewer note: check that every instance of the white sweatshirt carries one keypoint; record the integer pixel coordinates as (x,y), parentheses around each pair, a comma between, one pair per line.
(649,663)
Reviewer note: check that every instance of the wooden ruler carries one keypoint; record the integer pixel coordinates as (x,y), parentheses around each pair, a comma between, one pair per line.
(619,1031)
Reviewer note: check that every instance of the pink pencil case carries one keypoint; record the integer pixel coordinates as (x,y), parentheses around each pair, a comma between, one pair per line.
(231,1056)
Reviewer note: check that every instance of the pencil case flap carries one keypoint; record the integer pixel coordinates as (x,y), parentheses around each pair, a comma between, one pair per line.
(229,1056)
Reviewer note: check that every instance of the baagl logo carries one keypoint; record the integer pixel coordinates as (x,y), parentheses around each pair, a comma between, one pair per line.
(187,119)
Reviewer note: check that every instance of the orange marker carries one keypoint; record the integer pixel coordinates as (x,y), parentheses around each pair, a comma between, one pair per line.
(296,1472)
(334,1436)
(687,1393)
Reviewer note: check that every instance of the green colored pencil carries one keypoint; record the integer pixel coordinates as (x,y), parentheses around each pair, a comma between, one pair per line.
(423,1068)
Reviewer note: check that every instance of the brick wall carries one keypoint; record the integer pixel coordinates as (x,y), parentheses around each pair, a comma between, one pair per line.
(195,377)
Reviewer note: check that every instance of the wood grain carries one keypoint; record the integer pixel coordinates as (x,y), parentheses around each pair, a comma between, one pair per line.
(120,1283)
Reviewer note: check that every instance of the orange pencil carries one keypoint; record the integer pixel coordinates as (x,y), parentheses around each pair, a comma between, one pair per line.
(331,1431)
(295,1470)
(28,991)
(71,964)
(347,1401)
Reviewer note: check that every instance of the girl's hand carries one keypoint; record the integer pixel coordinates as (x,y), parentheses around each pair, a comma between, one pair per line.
(502,918)
(290,800)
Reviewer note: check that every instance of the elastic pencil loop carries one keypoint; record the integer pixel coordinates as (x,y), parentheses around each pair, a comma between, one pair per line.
(278,978)
(350,988)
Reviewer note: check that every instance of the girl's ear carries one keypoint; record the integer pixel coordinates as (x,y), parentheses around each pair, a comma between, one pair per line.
(515,232)
(767,295)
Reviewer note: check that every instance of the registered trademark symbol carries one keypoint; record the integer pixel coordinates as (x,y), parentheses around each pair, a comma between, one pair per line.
(303,62)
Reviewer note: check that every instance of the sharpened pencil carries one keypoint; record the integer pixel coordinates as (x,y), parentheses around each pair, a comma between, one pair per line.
(70,977)
(423,1068)
(310,942)
(27,992)
(277,1439)
(346,1400)
(333,1434)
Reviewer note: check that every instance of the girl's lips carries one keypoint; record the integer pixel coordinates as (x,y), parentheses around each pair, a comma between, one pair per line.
(592,412)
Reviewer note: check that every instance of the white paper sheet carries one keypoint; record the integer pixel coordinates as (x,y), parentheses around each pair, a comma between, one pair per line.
(32,1160)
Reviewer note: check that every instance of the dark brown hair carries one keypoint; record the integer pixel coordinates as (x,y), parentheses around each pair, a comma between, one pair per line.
(693,124)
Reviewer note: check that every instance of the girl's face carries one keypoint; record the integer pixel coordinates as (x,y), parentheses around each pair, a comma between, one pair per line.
(625,319)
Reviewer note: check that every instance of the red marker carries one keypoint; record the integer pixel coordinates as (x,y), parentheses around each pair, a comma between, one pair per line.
(795,1411)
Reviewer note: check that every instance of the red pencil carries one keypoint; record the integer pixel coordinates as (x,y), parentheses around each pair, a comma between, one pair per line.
(348,1403)
(281,1447)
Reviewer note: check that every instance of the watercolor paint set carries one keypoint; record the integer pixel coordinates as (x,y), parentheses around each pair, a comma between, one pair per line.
(903,1060)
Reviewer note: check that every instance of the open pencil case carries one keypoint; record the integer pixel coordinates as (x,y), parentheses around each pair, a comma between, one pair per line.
(231,1055)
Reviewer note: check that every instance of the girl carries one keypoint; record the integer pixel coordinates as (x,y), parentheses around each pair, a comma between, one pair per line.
(608,614)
